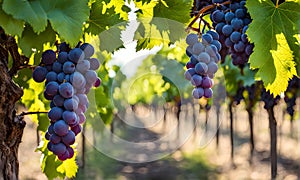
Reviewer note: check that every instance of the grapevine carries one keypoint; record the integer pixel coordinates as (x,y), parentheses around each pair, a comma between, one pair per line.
(68,77)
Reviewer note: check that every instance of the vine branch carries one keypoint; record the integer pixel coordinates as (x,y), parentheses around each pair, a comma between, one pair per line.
(35,112)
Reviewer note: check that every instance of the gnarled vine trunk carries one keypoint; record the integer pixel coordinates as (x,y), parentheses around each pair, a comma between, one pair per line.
(11,126)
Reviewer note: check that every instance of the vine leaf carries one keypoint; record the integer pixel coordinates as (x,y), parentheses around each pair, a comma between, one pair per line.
(31,40)
(174,10)
(276,52)
(29,11)
(10,25)
(161,22)
(102,17)
(67,18)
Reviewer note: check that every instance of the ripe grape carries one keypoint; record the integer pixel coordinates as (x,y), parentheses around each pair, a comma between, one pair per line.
(191,39)
(51,76)
(198,92)
(55,114)
(76,54)
(69,67)
(69,138)
(48,57)
(87,49)
(39,74)
(66,90)
(68,78)
(61,127)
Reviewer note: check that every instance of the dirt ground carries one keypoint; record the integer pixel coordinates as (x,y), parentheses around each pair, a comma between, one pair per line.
(218,158)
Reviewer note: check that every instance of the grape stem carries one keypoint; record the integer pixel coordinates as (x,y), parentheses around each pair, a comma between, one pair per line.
(201,12)
(26,66)
(29,113)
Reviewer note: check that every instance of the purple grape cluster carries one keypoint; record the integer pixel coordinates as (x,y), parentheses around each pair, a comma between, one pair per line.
(69,77)
(202,66)
(231,23)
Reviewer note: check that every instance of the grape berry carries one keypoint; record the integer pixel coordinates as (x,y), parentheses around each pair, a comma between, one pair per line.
(69,77)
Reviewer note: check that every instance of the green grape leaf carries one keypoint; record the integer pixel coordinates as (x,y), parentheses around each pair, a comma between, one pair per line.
(67,18)
(68,167)
(120,8)
(102,17)
(276,50)
(30,40)
(29,11)
(110,40)
(43,122)
(50,164)
(10,25)
(52,167)
(145,8)
(248,76)
(174,10)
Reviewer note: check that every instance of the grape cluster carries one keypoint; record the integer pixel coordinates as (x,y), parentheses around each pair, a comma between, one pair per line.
(231,22)
(69,77)
(204,56)
(290,95)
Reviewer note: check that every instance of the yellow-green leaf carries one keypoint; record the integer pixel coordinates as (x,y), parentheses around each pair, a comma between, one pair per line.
(276,50)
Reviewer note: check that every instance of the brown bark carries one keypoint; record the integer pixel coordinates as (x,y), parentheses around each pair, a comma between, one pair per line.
(11,126)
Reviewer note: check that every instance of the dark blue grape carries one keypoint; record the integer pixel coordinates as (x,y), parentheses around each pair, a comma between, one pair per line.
(69,138)
(66,90)
(55,139)
(217,44)
(235,36)
(51,76)
(191,39)
(227,30)
(217,16)
(39,74)
(62,57)
(208,92)
(76,54)
(55,114)
(60,77)
(228,43)
(207,39)
(198,92)
(219,27)
(201,68)
(213,34)
(196,80)
(240,13)
(48,57)
(244,38)
(58,100)
(237,24)
(57,67)
(61,128)
(59,149)
(239,47)
(87,49)
(70,117)
(229,16)
(189,73)
(52,88)
(69,67)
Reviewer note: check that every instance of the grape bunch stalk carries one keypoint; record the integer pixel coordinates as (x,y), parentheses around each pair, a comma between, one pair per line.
(68,77)
(204,56)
